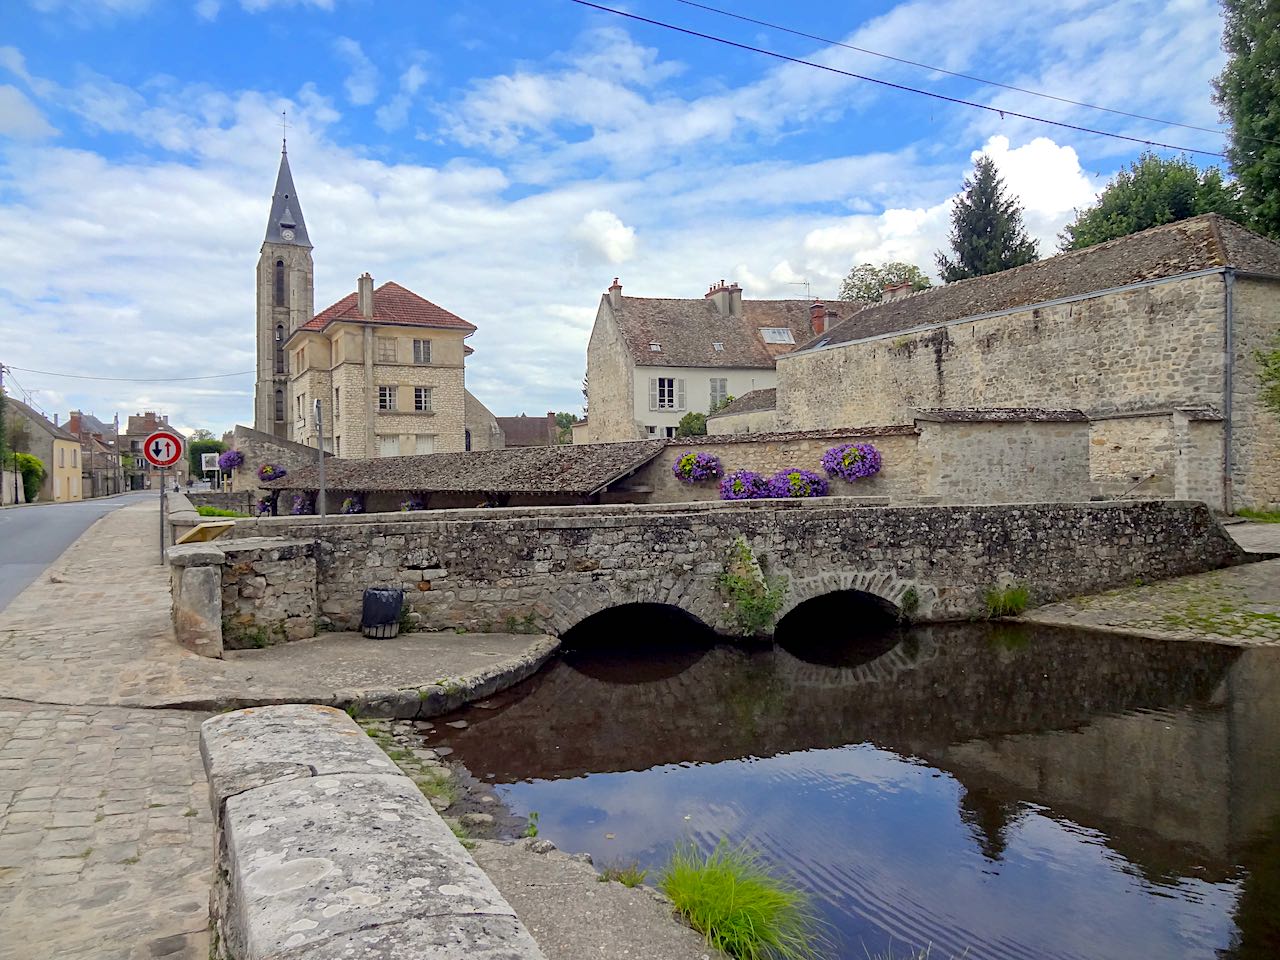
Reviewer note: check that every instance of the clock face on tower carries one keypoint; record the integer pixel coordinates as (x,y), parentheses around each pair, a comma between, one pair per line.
(286,234)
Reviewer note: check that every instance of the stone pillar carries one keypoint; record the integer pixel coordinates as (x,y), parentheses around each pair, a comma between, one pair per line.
(197,597)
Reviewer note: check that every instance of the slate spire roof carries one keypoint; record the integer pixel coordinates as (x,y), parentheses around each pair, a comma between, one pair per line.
(286,210)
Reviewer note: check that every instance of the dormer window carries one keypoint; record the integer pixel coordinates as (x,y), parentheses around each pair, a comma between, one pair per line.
(655,346)
(718,347)
(777,335)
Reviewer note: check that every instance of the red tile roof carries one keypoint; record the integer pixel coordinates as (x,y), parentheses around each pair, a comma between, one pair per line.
(392,304)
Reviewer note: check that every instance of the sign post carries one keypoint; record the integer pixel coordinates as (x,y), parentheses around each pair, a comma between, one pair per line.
(162,450)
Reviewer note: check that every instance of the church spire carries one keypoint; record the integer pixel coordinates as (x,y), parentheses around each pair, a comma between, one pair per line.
(285,224)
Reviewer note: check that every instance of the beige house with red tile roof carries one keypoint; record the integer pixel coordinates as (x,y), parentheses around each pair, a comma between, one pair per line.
(386,365)
(651,360)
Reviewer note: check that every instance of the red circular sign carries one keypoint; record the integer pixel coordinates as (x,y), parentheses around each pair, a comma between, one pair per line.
(162,449)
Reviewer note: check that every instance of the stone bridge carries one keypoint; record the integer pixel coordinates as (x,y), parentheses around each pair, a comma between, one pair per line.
(548,569)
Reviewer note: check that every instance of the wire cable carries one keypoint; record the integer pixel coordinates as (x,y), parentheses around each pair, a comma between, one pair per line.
(963,76)
(82,376)
(895,86)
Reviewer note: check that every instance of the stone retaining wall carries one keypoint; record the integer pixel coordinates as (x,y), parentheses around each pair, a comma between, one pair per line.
(240,500)
(548,569)
(324,849)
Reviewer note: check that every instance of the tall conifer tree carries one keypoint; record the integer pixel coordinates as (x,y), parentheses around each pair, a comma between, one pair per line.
(1248,93)
(987,234)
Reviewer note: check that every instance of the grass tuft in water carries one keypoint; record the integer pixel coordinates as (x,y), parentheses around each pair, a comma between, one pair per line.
(1007,601)
(731,899)
(629,874)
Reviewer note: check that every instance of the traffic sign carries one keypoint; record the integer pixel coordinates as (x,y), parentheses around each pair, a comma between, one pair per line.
(162,449)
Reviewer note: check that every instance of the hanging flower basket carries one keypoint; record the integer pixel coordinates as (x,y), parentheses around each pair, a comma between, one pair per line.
(743,485)
(852,461)
(797,483)
(271,471)
(230,460)
(697,467)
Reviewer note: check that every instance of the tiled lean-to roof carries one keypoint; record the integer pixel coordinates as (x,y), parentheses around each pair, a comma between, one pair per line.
(392,305)
(1201,243)
(750,402)
(576,469)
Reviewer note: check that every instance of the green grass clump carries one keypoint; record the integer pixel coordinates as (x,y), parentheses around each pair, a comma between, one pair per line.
(739,907)
(1260,516)
(629,874)
(216,512)
(1007,601)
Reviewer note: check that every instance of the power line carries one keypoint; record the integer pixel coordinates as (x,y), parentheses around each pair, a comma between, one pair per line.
(82,376)
(963,76)
(895,86)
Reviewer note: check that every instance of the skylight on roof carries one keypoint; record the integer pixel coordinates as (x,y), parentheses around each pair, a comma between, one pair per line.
(718,347)
(655,346)
(777,335)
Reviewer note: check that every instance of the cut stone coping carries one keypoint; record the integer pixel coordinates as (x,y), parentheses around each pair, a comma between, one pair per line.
(326,850)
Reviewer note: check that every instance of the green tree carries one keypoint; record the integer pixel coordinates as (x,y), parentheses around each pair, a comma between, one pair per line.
(564,424)
(987,234)
(33,474)
(692,425)
(1150,192)
(1248,94)
(866,282)
(201,434)
(1270,376)
(199,446)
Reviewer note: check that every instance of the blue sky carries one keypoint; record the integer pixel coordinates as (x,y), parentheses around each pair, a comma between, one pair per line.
(507,159)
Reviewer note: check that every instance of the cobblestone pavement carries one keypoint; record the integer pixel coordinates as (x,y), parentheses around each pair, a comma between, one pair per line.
(104,834)
(1239,605)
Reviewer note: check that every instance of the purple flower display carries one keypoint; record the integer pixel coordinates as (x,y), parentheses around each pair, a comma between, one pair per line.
(413,503)
(797,483)
(230,460)
(271,471)
(304,504)
(353,504)
(264,507)
(743,485)
(852,461)
(697,467)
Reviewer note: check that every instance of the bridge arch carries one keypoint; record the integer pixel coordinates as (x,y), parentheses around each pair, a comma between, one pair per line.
(900,597)
(694,596)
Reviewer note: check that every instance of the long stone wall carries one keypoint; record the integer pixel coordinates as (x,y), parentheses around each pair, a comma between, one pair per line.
(238,500)
(324,849)
(548,569)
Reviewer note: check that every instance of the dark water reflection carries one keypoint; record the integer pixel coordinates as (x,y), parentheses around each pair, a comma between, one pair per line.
(1011,793)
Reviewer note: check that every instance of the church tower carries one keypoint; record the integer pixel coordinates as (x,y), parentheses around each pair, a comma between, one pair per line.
(286,300)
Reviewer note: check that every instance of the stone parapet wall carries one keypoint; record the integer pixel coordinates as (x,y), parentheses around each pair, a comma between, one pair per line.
(239,500)
(268,592)
(324,849)
(548,569)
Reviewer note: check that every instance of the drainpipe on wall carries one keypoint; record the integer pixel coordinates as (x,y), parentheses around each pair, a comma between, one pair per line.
(1229,276)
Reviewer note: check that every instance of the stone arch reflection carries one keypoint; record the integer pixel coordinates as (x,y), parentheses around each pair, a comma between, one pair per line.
(844,628)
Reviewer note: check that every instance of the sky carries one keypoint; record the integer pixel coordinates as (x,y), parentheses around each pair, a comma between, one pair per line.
(507,159)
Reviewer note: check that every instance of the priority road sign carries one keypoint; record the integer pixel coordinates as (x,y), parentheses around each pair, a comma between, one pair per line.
(162,449)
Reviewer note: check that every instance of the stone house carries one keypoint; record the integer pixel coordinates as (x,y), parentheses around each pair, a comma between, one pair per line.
(652,360)
(99,457)
(525,431)
(388,368)
(59,451)
(138,472)
(1152,336)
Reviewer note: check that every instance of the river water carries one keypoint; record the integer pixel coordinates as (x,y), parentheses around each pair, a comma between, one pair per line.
(988,792)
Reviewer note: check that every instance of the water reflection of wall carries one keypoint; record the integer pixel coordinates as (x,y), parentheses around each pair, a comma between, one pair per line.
(1146,741)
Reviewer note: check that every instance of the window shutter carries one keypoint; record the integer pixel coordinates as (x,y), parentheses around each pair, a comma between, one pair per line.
(679,394)
(653,393)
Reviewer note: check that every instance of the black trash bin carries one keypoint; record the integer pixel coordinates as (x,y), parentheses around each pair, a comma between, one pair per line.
(380,614)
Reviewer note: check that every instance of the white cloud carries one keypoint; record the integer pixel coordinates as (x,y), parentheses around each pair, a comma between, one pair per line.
(395,113)
(362,81)
(20,118)
(207,9)
(601,235)
(91,9)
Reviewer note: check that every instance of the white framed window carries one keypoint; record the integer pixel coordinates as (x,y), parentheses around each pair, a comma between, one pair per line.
(422,399)
(302,405)
(75,458)
(422,351)
(719,390)
(651,430)
(777,335)
(300,360)
(337,408)
(655,347)
(424,443)
(386,398)
(671,432)
(718,347)
(666,393)
(386,349)
(62,457)
(389,446)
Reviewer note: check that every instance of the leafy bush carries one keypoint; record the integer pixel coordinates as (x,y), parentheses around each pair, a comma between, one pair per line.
(230,460)
(756,598)
(692,425)
(797,483)
(739,907)
(271,471)
(851,461)
(33,473)
(743,485)
(206,511)
(697,467)
(1006,601)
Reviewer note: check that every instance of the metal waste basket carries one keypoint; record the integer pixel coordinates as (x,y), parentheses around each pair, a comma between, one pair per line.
(380,614)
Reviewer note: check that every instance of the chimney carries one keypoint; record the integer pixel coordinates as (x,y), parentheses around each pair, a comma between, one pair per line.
(364,295)
(722,297)
(817,317)
(832,319)
(615,295)
(735,300)
(895,291)
(55,419)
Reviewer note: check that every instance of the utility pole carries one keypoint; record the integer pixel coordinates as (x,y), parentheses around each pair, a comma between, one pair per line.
(320,505)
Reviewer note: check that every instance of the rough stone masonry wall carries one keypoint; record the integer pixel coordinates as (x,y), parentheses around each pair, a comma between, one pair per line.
(239,500)
(1255,428)
(549,569)
(268,592)
(1132,456)
(324,849)
(1012,462)
(1149,348)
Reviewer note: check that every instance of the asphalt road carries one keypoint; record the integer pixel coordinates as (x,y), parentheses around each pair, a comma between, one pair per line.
(32,537)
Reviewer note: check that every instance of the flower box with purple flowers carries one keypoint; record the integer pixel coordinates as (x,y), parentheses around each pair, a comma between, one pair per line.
(697,467)
(852,461)
(743,485)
